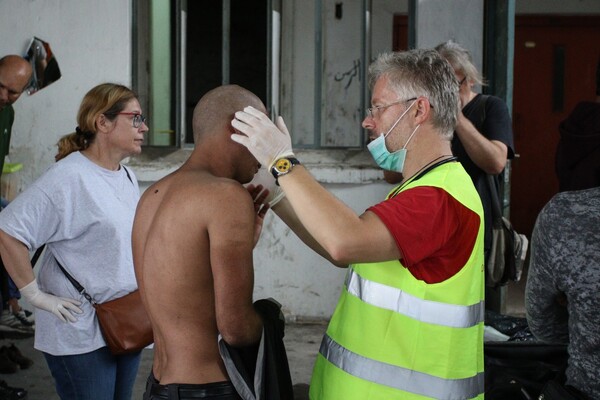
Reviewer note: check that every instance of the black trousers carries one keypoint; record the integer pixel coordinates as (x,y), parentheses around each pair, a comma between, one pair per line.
(216,391)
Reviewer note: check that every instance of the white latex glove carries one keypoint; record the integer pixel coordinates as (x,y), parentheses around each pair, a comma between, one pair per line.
(59,306)
(264,178)
(266,141)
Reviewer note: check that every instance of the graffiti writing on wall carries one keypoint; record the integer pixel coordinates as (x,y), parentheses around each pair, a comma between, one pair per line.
(349,75)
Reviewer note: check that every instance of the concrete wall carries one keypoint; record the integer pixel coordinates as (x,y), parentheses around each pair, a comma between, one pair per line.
(339,105)
(92,43)
(287,270)
(463,23)
(304,283)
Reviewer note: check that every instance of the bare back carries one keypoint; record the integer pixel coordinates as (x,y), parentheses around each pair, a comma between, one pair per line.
(192,248)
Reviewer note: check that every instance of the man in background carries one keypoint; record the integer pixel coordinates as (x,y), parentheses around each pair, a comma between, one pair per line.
(562,297)
(15,73)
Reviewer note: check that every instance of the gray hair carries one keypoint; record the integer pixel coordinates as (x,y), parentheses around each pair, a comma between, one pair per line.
(461,60)
(422,72)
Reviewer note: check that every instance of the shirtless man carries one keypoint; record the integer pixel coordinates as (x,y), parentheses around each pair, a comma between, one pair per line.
(193,237)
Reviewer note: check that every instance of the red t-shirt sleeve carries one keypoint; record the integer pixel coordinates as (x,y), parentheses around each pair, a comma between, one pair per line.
(434,232)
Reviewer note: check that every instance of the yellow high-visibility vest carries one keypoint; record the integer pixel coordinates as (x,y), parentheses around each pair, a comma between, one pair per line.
(393,336)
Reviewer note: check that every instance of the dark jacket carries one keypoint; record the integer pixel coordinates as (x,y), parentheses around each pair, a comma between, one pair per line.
(261,372)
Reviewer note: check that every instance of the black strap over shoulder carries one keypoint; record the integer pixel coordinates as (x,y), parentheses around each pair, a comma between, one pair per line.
(127,172)
(37,255)
(73,281)
(496,207)
(76,284)
(480,108)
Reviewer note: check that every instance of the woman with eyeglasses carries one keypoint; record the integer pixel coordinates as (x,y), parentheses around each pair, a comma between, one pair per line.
(82,209)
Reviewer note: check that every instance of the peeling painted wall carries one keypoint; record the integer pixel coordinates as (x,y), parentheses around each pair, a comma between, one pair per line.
(341,113)
(306,285)
(92,43)
(288,270)
(339,103)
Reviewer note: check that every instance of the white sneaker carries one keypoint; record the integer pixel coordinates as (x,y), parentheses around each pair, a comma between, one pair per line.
(10,323)
(25,316)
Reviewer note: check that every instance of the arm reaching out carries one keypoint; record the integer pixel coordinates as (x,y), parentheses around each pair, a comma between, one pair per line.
(266,181)
(261,206)
(266,141)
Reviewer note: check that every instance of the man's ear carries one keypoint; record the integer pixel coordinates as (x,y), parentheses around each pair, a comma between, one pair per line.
(422,110)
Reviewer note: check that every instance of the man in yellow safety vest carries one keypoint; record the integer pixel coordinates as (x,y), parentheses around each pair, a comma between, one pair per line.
(409,322)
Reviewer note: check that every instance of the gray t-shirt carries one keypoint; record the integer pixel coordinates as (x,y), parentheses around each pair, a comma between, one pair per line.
(84,213)
(565,259)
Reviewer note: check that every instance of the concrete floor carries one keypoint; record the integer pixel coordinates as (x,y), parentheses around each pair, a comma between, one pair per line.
(302,342)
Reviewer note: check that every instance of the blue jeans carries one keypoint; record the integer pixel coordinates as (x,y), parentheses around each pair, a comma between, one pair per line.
(13,292)
(94,376)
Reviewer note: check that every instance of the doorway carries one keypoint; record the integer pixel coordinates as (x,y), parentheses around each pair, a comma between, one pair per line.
(183,49)
(225,42)
(554,69)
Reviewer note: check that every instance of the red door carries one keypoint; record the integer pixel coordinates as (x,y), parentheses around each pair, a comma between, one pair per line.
(400,39)
(554,68)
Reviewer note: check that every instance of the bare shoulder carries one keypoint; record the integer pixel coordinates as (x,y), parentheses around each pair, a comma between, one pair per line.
(221,193)
(192,186)
(231,206)
(223,188)
(202,195)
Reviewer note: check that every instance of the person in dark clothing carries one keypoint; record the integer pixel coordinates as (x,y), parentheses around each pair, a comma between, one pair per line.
(562,296)
(482,142)
(15,73)
(578,152)
(483,138)
(263,373)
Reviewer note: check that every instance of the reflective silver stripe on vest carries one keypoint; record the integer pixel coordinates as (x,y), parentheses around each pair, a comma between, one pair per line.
(394,299)
(398,377)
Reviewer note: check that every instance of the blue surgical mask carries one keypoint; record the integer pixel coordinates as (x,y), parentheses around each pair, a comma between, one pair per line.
(386,160)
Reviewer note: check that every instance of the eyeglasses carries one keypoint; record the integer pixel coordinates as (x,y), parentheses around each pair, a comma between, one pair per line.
(372,111)
(462,81)
(138,119)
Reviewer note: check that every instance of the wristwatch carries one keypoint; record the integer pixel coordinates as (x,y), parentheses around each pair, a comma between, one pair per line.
(283,166)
